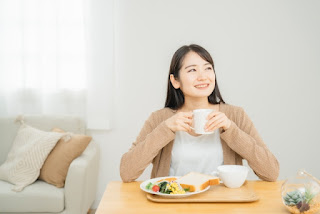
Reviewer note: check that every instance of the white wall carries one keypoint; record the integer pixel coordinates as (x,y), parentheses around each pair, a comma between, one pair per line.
(267,59)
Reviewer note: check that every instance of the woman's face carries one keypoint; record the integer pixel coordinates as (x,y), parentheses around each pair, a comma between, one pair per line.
(196,77)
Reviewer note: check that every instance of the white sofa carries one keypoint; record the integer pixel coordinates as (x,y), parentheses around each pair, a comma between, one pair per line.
(40,197)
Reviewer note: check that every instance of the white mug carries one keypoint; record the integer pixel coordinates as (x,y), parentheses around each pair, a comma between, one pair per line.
(233,176)
(200,120)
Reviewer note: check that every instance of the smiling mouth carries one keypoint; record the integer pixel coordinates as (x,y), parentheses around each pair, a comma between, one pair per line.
(201,86)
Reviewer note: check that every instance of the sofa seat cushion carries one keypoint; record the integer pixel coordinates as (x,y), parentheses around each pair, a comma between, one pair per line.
(37,197)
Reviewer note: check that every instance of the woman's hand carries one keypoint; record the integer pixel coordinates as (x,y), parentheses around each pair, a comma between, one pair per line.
(217,120)
(181,121)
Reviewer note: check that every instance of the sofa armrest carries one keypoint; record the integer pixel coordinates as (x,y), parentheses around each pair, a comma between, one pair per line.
(81,182)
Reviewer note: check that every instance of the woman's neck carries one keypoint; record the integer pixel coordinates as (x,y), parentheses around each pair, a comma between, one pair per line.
(192,104)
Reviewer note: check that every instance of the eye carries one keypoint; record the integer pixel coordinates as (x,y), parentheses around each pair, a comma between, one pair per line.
(208,68)
(192,70)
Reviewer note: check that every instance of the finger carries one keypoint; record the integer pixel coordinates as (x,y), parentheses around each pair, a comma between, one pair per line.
(214,119)
(187,121)
(213,114)
(185,127)
(184,120)
(184,115)
(188,114)
(191,132)
(215,125)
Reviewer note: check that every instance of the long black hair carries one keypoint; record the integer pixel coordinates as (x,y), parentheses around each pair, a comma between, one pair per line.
(175,97)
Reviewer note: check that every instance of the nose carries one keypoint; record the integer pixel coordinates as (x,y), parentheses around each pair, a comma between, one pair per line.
(201,75)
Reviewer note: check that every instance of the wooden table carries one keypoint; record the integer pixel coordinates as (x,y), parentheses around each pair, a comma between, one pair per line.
(129,198)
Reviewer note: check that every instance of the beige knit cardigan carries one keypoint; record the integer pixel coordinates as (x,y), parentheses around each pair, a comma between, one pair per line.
(240,141)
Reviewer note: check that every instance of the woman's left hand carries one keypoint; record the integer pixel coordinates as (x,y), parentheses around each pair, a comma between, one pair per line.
(217,120)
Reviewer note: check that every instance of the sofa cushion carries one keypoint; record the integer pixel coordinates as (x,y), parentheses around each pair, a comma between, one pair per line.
(27,155)
(8,128)
(55,168)
(37,197)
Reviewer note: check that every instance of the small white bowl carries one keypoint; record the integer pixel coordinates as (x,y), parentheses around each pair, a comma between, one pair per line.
(233,176)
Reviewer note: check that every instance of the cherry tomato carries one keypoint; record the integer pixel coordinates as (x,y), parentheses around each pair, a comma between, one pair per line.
(155,188)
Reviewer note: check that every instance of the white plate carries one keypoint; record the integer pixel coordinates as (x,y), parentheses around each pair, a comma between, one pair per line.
(145,183)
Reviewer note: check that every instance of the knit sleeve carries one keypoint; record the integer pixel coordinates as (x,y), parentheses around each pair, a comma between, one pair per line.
(243,138)
(152,138)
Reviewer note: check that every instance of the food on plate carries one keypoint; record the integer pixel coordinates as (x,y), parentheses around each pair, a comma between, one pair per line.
(168,179)
(192,182)
(155,188)
(195,181)
(175,188)
(167,186)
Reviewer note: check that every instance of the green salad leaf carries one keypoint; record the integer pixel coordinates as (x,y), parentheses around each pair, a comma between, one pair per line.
(149,185)
(163,186)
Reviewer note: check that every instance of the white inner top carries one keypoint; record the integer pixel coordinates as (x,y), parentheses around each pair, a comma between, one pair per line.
(199,154)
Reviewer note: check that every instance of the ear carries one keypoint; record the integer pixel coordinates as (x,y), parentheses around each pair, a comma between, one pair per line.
(174,82)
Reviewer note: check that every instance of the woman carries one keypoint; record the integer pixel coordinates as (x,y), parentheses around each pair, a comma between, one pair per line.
(168,142)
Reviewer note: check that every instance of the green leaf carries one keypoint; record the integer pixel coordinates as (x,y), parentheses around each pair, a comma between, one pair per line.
(308,196)
(162,186)
(149,185)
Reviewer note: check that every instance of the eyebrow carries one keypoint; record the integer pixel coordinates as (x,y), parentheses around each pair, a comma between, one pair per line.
(195,65)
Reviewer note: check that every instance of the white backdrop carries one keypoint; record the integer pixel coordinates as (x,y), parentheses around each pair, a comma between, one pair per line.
(267,59)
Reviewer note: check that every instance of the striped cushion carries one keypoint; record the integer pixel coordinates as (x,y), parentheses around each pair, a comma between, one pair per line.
(27,155)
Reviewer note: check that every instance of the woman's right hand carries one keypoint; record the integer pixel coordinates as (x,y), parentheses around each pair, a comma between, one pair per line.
(181,121)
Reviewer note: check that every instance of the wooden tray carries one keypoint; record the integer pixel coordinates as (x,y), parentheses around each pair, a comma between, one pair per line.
(218,193)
